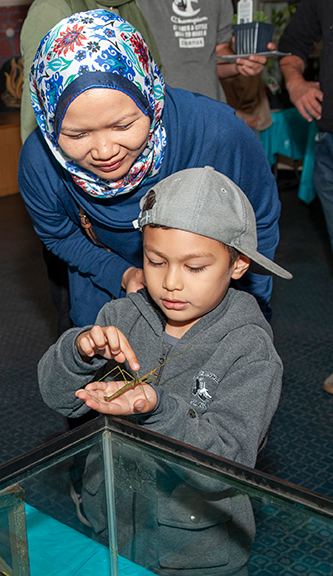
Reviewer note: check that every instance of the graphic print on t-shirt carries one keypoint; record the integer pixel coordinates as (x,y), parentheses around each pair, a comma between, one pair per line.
(188,27)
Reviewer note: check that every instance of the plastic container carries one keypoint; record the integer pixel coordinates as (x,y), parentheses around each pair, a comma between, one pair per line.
(252,37)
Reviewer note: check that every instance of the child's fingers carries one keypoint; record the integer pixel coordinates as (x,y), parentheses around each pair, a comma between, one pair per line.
(131,401)
(120,347)
(95,400)
(99,385)
(92,341)
(98,336)
(109,342)
(102,389)
(141,406)
(90,400)
(84,344)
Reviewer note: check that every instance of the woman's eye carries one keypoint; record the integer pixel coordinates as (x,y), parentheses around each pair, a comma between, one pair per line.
(124,126)
(76,136)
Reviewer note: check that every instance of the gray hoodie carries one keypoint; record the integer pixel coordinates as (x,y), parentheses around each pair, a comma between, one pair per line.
(224,390)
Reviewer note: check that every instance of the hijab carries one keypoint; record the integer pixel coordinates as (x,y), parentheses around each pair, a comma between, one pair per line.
(98,49)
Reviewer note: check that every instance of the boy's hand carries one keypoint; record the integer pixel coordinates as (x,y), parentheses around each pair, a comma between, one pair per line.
(108,342)
(131,401)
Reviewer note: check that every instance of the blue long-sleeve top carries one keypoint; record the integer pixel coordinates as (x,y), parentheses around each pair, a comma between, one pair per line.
(200,132)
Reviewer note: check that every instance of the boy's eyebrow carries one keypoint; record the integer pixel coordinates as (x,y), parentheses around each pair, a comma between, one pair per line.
(185,257)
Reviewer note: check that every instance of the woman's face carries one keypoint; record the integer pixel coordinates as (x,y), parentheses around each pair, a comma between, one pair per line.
(104,131)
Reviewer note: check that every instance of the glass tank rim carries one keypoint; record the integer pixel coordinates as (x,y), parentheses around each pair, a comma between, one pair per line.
(252,479)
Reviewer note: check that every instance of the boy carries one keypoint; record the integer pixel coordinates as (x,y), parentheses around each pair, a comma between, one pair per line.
(199,233)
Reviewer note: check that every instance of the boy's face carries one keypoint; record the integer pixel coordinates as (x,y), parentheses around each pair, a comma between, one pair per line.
(187,274)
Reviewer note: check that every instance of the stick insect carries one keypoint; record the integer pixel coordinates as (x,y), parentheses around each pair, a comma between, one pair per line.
(137,379)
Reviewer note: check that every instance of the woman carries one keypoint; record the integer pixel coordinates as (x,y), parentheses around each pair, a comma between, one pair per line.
(108,131)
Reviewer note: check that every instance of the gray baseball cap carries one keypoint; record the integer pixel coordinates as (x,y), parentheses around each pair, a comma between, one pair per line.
(205,202)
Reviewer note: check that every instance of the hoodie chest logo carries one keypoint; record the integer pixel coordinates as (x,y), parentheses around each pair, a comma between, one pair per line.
(204,383)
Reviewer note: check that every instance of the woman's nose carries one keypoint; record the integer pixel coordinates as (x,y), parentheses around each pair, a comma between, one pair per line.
(104,147)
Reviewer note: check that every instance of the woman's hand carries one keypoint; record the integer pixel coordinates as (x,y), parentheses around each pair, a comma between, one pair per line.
(108,342)
(138,400)
(133,280)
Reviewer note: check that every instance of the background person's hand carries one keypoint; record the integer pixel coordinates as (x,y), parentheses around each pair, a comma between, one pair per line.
(255,64)
(307,97)
(132,401)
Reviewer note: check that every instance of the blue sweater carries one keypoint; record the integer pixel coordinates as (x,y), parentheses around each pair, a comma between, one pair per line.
(200,132)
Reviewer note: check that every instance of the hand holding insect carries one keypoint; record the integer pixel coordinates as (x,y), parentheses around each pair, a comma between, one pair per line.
(108,342)
(121,398)
(135,400)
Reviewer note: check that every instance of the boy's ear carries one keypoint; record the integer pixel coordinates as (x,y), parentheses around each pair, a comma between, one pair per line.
(240,266)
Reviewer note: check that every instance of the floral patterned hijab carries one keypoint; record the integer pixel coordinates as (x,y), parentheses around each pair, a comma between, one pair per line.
(98,49)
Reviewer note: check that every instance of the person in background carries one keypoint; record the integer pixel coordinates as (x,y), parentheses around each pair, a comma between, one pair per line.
(221,374)
(190,35)
(186,62)
(314,100)
(109,129)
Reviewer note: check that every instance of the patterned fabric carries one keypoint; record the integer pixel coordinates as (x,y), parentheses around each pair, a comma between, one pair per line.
(98,49)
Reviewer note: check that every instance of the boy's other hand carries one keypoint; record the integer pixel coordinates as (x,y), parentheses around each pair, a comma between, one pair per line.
(131,401)
(108,342)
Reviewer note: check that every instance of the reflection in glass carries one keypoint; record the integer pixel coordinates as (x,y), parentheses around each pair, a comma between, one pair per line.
(113,502)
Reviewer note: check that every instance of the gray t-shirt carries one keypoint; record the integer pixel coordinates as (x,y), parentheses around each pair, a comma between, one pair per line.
(187,33)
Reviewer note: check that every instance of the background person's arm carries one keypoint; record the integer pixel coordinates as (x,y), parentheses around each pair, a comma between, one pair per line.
(305,95)
(298,39)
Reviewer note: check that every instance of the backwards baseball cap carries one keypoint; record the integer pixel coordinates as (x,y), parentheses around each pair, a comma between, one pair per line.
(205,202)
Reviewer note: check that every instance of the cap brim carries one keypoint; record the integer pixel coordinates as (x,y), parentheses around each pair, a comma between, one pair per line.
(262,265)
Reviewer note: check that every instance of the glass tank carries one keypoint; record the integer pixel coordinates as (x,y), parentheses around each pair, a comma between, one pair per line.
(109,498)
